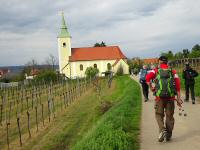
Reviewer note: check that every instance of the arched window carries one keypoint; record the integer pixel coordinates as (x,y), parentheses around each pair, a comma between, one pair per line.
(109,66)
(64,44)
(95,65)
(81,67)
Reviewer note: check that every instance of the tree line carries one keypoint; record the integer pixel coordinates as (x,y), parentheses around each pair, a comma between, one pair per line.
(185,53)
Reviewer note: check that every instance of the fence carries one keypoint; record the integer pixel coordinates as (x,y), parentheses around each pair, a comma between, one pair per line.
(24,109)
(5,85)
(180,63)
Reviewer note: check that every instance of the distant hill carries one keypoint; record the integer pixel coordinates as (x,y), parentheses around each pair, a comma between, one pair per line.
(19,69)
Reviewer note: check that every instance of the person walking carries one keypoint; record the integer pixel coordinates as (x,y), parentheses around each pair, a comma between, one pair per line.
(188,75)
(142,79)
(167,87)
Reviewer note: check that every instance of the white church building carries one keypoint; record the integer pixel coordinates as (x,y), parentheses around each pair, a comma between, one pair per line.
(74,61)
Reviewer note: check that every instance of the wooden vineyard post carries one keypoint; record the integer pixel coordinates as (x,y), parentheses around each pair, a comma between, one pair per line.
(64,99)
(72,94)
(10,109)
(17,113)
(27,107)
(36,117)
(32,100)
(61,101)
(67,98)
(20,135)
(7,131)
(43,114)
(22,105)
(29,131)
(49,111)
(53,105)
(40,97)
(1,117)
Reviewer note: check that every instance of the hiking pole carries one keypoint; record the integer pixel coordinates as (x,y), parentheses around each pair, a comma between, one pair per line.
(181,109)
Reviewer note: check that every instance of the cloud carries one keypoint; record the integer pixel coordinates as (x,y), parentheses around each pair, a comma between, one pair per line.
(28,29)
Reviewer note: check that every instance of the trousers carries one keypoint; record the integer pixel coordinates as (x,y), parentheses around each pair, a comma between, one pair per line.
(164,113)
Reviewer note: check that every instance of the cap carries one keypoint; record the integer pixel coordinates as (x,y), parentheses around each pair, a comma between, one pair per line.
(187,64)
(163,58)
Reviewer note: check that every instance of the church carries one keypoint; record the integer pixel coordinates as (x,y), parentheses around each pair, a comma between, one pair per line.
(73,62)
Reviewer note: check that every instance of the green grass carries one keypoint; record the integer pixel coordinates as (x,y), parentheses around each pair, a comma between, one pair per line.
(119,128)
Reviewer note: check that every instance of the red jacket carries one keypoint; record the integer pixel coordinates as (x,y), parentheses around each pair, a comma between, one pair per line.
(152,75)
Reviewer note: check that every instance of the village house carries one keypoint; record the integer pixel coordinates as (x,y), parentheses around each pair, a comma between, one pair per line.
(74,61)
(3,72)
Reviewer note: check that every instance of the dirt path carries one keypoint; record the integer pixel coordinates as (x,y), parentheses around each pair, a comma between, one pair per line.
(186,134)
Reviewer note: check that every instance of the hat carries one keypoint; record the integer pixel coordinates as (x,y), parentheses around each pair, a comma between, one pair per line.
(187,64)
(163,58)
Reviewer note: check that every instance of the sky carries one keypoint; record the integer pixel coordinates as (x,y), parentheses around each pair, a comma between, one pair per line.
(141,28)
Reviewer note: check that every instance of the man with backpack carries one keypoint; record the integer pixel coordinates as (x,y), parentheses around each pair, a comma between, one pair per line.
(142,79)
(167,86)
(189,74)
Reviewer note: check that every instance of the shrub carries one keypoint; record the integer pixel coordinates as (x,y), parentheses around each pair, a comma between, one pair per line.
(120,71)
(91,72)
(46,75)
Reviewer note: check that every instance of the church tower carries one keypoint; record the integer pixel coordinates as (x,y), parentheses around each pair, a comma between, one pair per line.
(64,49)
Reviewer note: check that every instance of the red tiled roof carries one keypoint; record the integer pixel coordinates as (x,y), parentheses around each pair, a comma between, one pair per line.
(97,53)
(150,60)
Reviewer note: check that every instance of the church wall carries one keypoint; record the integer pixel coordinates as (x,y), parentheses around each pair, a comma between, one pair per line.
(124,66)
(101,65)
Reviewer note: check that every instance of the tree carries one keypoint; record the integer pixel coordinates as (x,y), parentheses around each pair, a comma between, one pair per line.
(46,75)
(195,52)
(120,71)
(30,65)
(186,53)
(51,61)
(102,44)
(91,72)
(169,55)
(178,55)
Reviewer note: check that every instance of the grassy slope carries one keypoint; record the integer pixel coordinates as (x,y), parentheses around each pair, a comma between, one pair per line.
(119,128)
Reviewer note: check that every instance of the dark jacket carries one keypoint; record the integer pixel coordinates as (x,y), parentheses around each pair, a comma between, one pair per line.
(189,74)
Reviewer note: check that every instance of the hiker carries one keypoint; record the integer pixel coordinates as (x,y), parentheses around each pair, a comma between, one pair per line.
(188,75)
(167,85)
(142,78)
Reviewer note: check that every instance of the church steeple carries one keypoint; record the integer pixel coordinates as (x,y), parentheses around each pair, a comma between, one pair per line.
(63,30)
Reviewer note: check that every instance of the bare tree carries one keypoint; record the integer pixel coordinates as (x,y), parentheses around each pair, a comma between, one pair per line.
(30,65)
(51,61)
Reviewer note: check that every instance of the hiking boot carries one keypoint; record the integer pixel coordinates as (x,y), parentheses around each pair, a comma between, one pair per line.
(162,136)
(168,136)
